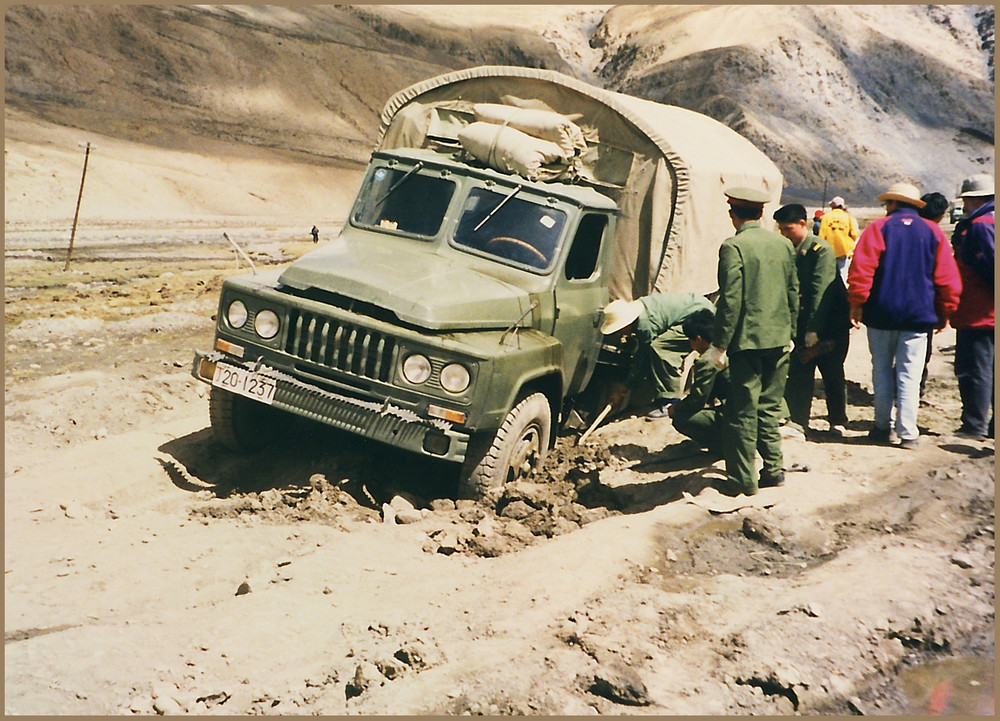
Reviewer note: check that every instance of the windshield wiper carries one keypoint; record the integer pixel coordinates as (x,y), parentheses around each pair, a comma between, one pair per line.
(499,205)
(399,182)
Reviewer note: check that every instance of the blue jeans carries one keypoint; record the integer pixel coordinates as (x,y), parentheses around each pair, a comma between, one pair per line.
(897,362)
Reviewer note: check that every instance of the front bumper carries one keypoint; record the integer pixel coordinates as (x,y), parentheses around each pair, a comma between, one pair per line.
(382,422)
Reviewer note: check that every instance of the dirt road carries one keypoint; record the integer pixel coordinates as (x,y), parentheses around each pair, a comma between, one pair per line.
(147,570)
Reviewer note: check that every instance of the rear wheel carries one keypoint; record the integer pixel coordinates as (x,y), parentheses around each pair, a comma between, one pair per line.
(240,423)
(517,449)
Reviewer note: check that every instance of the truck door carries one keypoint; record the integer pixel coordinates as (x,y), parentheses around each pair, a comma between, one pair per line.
(581,292)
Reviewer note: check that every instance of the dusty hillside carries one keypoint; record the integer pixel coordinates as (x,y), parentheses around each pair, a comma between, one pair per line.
(854,96)
(214,110)
(858,95)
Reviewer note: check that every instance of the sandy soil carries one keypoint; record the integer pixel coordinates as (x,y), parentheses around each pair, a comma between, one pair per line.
(147,570)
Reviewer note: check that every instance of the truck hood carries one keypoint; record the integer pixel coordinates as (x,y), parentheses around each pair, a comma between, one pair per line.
(422,288)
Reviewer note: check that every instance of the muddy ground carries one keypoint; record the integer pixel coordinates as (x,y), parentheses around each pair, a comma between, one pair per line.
(148,570)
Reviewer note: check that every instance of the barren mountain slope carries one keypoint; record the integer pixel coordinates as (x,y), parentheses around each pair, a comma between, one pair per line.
(857,95)
(224,110)
(849,96)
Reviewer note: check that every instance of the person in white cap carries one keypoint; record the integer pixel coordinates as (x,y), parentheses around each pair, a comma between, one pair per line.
(973,242)
(652,327)
(839,229)
(902,282)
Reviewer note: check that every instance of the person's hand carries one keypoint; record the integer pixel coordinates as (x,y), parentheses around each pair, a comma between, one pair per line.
(716,356)
(811,339)
(856,316)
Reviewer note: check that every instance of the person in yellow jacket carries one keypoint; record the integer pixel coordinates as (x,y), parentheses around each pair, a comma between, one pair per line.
(840,229)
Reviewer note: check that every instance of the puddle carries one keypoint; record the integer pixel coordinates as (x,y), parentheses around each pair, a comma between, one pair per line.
(954,686)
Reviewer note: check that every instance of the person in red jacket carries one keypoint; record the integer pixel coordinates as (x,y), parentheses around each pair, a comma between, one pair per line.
(974,245)
(902,282)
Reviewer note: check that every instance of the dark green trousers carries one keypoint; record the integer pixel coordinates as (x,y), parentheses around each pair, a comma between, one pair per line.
(704,427)
(799,388)
(666,361)
(753,412)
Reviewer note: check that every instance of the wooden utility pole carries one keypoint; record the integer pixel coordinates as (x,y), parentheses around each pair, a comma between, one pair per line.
(76,215)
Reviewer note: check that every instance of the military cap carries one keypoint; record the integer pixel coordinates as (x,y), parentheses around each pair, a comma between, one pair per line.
(747,197)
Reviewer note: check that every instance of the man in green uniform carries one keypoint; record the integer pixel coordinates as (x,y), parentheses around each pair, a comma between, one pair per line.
(758,304)
(699,414)
(823,327)
(652,325)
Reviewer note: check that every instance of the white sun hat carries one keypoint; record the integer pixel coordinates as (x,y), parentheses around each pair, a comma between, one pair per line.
(977,186)
(619,313)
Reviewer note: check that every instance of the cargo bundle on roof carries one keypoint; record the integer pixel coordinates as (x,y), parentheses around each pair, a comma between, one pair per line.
(664,166)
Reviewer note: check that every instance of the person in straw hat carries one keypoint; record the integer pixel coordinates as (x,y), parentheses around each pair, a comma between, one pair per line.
(902,282)
(651,327)
(754,324)
(974,244)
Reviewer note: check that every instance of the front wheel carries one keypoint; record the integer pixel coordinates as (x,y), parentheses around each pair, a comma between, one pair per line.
(516,450)
(239,423)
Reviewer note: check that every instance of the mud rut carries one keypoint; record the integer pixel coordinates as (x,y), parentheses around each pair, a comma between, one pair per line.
(333,479)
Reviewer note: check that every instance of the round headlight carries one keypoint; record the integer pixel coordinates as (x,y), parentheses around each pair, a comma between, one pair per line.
(266,324)
(454,378)
(236,314)
(417,369)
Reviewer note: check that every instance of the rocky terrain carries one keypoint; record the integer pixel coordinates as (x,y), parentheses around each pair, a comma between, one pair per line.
(150,571)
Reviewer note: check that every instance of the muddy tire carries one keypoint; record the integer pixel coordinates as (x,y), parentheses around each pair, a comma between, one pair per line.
(239,423)
(513,453)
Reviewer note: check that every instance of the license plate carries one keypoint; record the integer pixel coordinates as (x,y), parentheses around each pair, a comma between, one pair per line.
(245,383)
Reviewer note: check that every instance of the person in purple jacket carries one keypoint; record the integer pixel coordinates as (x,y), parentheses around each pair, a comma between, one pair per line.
(974,244)
(902,282)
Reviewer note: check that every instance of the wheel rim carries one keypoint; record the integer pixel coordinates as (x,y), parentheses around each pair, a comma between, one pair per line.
(524,457)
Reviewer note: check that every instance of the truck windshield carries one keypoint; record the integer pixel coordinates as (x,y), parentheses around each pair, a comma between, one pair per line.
(403,201)
(519,232)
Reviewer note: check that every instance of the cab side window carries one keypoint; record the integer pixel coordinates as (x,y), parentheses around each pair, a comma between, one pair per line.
(586,248)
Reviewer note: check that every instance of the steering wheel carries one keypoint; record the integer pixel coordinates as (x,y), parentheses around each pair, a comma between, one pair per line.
(521,244)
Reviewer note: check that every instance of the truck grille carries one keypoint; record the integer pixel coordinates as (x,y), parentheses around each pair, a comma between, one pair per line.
(346,347)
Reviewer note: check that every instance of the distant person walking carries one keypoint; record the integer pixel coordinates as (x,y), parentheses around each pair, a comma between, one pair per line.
(315,234)
(823,327)
(840,230)
(817,219)
(652,325)
(974,245)
(754,322)
(936,205)
(903,282)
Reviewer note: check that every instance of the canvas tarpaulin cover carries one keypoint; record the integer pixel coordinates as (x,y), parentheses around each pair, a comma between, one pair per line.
(666,167)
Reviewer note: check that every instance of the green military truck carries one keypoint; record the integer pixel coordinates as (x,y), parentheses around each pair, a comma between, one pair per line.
(460,306)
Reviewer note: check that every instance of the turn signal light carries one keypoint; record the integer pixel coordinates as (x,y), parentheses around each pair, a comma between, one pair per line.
(230,348)
(446,414)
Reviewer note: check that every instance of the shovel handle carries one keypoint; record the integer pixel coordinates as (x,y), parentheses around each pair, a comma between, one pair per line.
(593,426)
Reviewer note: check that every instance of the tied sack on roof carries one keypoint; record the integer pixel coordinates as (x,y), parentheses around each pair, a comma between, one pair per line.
(544,124)
(511,151)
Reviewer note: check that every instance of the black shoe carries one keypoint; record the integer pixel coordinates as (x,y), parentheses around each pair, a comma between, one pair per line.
(878,435)
(771,481)
(971,435)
